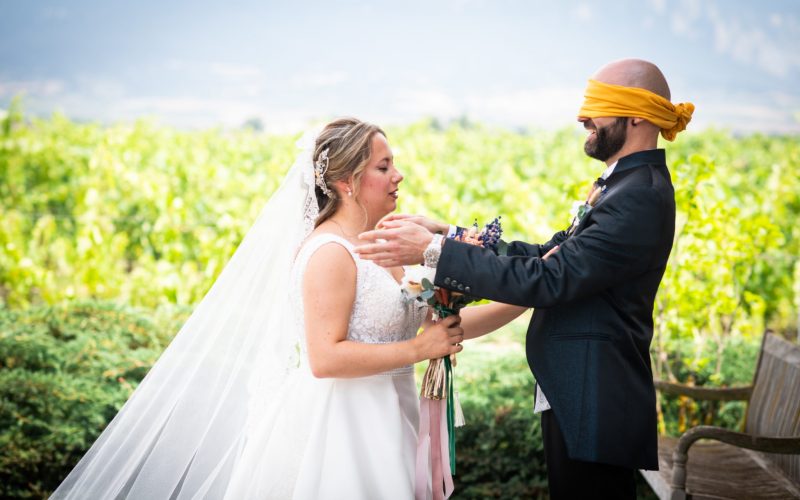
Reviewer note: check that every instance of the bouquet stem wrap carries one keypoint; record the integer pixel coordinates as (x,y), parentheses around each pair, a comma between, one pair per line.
(436,448)
(440,411)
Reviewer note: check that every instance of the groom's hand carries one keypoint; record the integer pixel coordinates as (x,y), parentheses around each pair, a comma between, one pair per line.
(550,252)
(403,244)
(429,224)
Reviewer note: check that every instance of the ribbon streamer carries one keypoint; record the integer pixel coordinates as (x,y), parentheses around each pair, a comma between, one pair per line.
(433,451)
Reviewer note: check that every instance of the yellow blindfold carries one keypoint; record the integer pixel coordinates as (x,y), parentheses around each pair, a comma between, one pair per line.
(605,99)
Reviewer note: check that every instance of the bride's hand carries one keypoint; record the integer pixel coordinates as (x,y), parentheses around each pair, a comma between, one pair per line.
(440,339)
(429,224)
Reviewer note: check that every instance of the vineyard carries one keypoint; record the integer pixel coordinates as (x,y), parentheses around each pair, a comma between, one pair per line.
(140,218)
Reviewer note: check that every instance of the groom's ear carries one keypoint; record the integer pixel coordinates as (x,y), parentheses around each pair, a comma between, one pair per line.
(641,126)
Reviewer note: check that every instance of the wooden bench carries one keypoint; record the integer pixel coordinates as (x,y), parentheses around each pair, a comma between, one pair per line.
(763,461)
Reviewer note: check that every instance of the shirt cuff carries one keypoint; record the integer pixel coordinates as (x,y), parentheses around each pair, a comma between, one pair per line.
(451,232)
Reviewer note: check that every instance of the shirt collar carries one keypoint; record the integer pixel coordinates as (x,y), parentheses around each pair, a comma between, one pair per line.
(609,170)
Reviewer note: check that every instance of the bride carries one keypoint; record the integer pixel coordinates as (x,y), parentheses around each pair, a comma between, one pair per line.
(293,377)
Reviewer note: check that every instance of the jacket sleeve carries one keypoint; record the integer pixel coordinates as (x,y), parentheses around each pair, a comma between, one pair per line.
(520,248)
(619,240)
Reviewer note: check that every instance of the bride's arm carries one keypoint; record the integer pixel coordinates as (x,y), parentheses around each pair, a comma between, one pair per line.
(329,288)
(480,320)
(477,321)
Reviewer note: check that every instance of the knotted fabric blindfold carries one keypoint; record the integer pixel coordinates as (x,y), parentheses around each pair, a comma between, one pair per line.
(605,99)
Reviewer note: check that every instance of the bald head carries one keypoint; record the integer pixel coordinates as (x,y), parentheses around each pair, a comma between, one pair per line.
(634,73)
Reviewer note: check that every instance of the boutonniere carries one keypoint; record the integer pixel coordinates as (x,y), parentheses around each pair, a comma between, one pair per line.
(581,208)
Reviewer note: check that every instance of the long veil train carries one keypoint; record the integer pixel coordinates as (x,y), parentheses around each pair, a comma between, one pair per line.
(180,433)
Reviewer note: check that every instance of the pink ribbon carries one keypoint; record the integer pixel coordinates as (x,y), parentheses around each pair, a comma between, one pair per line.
(433,451)
(420,492)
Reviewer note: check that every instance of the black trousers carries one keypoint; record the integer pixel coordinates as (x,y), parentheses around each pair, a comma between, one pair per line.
(573,479)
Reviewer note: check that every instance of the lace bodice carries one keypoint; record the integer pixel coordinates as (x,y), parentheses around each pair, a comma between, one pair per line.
(381,314)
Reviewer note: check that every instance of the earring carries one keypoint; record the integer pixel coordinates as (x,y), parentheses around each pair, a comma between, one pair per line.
(349,193)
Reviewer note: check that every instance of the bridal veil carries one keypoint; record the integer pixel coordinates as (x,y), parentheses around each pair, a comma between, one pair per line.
(181,431)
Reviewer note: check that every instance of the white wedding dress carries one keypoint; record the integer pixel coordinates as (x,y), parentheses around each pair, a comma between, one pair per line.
(338,438)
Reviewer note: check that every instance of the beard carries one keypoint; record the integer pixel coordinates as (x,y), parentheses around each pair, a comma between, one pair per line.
(608,140)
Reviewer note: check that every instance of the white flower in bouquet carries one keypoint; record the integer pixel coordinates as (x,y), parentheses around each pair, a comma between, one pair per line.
(412,282)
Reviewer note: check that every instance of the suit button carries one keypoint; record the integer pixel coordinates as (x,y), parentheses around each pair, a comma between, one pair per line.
(461,287)
(466,289)
(447,281)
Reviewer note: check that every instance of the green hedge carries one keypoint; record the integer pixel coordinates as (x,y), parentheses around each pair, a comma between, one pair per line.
(499,451)
(64,373)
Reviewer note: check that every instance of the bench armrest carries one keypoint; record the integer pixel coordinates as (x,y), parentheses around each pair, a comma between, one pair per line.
(705,393)
(784,445)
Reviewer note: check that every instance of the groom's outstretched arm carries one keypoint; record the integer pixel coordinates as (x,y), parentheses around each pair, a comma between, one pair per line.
(625,238)
(513,248)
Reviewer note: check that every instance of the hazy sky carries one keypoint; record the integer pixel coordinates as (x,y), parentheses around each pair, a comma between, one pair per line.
(506,62)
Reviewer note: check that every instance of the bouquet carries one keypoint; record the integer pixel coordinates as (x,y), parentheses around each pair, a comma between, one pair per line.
(440,411)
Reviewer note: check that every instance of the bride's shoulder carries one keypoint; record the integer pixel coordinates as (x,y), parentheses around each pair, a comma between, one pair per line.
(329,260)
(327,248)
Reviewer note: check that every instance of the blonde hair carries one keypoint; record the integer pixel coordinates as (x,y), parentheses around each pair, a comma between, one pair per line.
(349,145)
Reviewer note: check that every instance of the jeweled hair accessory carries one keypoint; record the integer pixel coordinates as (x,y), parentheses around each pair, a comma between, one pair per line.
(320,167)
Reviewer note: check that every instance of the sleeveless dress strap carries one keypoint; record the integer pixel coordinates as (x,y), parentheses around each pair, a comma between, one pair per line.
(314,243)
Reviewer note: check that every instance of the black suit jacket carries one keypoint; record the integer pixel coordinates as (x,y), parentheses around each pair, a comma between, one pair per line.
(589,338)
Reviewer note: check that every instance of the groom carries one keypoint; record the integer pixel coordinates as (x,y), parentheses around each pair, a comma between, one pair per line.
(593,287)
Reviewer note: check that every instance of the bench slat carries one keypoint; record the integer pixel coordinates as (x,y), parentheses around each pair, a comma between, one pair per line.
(774,407)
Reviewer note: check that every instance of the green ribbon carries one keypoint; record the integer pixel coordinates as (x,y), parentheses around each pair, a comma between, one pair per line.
(443,312)
(451,416)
